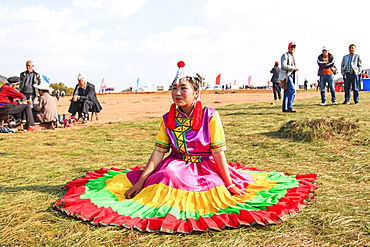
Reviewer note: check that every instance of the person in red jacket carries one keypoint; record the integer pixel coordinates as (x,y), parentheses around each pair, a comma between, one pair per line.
(8,105)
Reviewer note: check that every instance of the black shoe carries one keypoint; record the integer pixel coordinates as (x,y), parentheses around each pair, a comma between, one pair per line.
(356,103)
(290,110)
(345,102)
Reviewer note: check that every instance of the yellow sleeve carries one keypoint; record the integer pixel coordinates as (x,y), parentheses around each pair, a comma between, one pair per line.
(162,142)
(218,143)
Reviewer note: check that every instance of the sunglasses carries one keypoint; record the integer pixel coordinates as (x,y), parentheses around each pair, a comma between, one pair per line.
(293,47)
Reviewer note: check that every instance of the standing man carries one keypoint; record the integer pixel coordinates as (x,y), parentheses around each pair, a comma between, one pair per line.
(28,78)
(288,78)
(351,69)
(84,99)
(275,81)
(305,84)
(326,73)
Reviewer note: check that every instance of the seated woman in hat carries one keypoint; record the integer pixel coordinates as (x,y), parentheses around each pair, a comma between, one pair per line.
(8,105)
(45,107)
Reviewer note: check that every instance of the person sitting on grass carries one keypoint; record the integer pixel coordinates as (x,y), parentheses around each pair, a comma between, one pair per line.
(44,106)
(194,188)
(9,105)
(84,99)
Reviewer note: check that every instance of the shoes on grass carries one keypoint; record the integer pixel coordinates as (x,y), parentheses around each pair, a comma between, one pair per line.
(33,128)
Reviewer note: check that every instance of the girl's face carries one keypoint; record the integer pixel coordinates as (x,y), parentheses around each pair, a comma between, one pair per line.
(183,94)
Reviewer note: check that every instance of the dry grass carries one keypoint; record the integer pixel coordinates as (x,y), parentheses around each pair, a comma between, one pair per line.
(36,166)
(319,129)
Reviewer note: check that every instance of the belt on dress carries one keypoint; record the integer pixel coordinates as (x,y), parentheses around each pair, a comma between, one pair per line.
(189,157)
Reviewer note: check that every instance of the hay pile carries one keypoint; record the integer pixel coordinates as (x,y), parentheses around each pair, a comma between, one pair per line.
(318,129)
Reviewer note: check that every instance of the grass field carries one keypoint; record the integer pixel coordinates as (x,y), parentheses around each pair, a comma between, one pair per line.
(36,166)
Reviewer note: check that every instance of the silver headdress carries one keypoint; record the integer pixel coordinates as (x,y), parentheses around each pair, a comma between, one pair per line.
(184,74)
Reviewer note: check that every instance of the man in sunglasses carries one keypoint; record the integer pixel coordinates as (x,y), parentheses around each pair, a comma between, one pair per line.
(288,78)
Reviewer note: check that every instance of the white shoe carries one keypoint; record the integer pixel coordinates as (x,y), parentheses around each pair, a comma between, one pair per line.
(335,103)
(323,103)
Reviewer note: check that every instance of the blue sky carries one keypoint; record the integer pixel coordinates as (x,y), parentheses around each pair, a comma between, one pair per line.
(122,40)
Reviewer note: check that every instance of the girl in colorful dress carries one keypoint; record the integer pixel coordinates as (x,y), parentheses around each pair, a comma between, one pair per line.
(194,188)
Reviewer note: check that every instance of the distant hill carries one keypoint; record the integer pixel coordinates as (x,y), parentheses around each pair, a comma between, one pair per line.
(3,78)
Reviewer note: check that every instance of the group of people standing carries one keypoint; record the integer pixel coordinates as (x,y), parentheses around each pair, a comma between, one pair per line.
(285,77)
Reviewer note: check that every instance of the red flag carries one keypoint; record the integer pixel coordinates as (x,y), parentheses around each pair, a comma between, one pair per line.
(218,79)
(102,85)
(249,81)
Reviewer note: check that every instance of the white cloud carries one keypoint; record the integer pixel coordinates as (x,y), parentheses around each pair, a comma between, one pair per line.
(123,8)
(241,12)
(179,39)
(126,39)
(196,40)
(58,41)
(4,32)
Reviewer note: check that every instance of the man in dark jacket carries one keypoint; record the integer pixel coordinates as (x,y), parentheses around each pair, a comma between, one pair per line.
(84,99)
(28,79)
(326,73)
(276,81)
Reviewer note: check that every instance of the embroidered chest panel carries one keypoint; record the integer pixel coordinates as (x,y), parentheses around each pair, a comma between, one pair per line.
(184,125)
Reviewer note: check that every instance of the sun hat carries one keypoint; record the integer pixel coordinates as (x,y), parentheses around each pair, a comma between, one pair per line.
(43,87)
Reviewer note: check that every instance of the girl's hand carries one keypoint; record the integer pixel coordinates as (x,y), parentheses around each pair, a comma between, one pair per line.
(133,191)
(236,191)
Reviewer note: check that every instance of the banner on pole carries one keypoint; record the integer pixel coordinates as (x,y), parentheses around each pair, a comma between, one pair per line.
(218,79)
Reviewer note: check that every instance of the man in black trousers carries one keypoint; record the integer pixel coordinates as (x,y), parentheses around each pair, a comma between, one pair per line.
(276,81)
(84,99)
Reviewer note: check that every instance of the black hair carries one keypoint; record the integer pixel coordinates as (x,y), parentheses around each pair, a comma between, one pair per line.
(196,82)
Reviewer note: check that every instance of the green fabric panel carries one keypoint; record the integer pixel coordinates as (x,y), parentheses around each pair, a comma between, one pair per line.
(103,198)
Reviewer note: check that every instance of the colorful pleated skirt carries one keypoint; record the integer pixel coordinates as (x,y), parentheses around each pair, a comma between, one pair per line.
(184,197)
